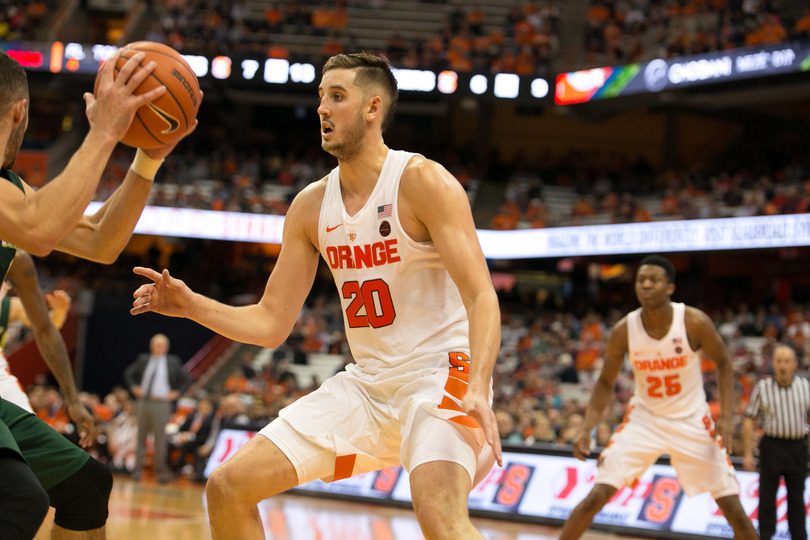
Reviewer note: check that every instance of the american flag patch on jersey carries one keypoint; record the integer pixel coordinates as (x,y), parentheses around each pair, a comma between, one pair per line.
(384,211)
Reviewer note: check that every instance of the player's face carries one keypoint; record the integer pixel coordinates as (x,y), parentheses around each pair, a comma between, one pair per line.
(652,286)
(15,142)
(340,111)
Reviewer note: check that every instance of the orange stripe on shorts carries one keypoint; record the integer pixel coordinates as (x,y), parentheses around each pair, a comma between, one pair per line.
(344,465)
(450,405)
(455,387)
(460,375)
(465,420)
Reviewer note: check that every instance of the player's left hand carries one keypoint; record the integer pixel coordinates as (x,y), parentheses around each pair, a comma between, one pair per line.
(582,444)
(725,430)
(165,295)
(84,423)
(478,407)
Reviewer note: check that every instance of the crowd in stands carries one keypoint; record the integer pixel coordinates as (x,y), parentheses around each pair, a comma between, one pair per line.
(21,20)
(626,31)
(610,189)
(524,42)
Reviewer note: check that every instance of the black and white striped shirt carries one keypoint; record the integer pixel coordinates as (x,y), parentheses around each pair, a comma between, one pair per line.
(784,409)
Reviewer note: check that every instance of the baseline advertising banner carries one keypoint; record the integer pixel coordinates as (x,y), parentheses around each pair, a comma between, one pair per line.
(654,237)
(681,72)
(540,487)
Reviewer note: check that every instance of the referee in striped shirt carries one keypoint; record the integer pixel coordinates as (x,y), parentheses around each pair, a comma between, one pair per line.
(782,403)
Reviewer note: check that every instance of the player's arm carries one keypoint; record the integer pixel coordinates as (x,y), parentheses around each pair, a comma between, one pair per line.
(267,323)
(749,463)
(704,336)
(102,236)
(752,411)
(36,221)
(23,276)
(439,202)
(603,389)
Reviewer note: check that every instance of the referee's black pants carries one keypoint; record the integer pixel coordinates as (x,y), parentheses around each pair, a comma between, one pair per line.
(782,458)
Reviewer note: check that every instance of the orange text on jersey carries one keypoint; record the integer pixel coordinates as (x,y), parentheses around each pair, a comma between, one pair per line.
(660,363)
(364,256)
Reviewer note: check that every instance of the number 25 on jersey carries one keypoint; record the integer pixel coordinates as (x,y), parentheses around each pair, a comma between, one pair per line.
(668,385)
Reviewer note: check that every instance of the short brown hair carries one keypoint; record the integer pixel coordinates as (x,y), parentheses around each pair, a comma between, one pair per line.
(372,69)
(13,82)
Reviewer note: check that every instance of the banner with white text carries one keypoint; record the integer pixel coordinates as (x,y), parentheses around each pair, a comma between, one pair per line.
(757,232)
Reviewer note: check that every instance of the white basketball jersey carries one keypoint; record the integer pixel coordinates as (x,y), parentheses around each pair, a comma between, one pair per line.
(669,382)
(401,309)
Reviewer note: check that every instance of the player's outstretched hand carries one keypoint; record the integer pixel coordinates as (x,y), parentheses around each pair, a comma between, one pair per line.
(84,423)
(582,445)
(113,106)
(478,407)
(165,295)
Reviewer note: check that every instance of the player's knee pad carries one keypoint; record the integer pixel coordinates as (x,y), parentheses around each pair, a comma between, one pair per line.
(23,501)
(81,501)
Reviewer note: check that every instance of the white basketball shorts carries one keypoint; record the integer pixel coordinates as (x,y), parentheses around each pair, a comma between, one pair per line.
(699,460)
(355,423)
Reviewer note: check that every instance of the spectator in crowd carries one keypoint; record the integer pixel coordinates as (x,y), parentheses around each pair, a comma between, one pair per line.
(231,413)
(121,434)
(191,435)
(506,427)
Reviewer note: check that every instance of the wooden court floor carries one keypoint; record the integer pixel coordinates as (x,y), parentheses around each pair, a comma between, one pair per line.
(147,510)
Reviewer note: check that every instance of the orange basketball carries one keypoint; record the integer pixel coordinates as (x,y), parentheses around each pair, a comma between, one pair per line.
(166,119)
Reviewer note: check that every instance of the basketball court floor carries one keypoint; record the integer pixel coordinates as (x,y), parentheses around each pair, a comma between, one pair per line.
(147,510)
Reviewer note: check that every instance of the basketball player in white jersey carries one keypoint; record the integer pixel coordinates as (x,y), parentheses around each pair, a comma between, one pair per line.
(668,413)
(420,313)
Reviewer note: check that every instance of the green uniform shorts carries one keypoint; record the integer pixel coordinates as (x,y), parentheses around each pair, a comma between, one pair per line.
(52,457)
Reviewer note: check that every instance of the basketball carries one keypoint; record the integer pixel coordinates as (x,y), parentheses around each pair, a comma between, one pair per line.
(166,119)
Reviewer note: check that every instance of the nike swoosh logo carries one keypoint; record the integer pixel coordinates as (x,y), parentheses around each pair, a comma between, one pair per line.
(330,229)
(171,121)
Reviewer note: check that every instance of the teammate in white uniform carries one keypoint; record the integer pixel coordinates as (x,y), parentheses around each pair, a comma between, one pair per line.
(668,413)
(420,313)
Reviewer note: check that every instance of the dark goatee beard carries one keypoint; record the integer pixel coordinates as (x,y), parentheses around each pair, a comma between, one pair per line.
(351,147)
